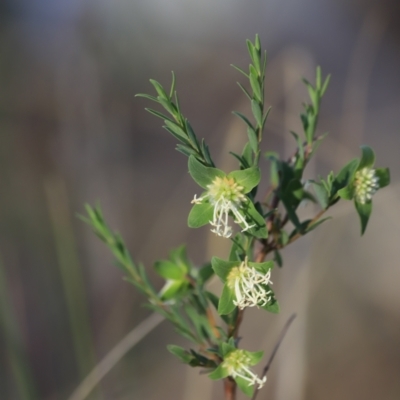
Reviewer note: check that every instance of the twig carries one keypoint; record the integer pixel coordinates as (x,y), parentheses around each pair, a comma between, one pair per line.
(115,355)
(275,350)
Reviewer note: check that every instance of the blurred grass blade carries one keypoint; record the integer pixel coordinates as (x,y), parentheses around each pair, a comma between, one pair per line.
(71,274)
(24,384)
(115,355)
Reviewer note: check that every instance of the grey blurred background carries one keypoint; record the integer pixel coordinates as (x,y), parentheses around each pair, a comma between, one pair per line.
(72,132)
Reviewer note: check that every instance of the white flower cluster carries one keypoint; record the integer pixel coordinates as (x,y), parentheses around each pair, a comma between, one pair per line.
(366,184)
(249,286)
(237,364)
(226,196)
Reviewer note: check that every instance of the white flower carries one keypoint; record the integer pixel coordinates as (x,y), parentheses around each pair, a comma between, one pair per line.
(248,285)
(237,364)
(366,184)
(226,196)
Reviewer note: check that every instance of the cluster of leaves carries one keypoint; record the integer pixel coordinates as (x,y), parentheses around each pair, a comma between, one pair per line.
(184,299)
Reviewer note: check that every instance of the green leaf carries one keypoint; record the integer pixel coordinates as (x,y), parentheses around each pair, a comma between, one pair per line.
(218,373)
(225,305)
(255,356)
(278,258)
(243,385)
(180,352)
(172,289)
(203,175)
(243,118)
(253,140)
(176,129)
(367,157)
(240,70)
(160,90)
(272,306)
(346,193)
(200,214)
(262,267)
(255,85)
(205,273)
(255,108)
(345,176)
(172,90)
(364,212)
(254,217)
(222,267)
(316,224)
(170,270)
(321,194)
(248,178)
(383,175)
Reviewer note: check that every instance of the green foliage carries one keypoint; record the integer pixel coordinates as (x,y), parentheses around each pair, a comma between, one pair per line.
(260,227)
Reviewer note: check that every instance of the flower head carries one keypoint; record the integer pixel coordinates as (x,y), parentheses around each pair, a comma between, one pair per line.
(246,284)
(366,184)
(249,285)
(360,181)
(225,197)
(237,364)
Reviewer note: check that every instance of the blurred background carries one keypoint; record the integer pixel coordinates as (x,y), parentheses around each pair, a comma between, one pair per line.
(71,131)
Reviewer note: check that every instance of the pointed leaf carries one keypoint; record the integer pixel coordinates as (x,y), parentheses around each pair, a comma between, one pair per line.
(272,306)
(367,157)
(364,212)
(200,214)
(218,373)
(384,176)
(222,267)
(170,270)
(225,305)
(203,175)
(346,193)
(243,385)
(248,178)
(180,352)
(253,217)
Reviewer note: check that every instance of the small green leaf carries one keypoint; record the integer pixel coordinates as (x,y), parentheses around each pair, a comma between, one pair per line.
(160,90)
(255,85)
(364,212)
(243,385)
(346,193)
(225,305)
(218,373)
(203,175)
(248,178)
(200,214)
(205,273)
(383,175)
(321,194)
(243,118)
(345,176)
(255,356)
(254,217)
(272,306)
(222,267)
(367,157)
(255,108)
(170,270)
(278,258)
(172,289)
(180,352)
(253,140)
(262,267)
